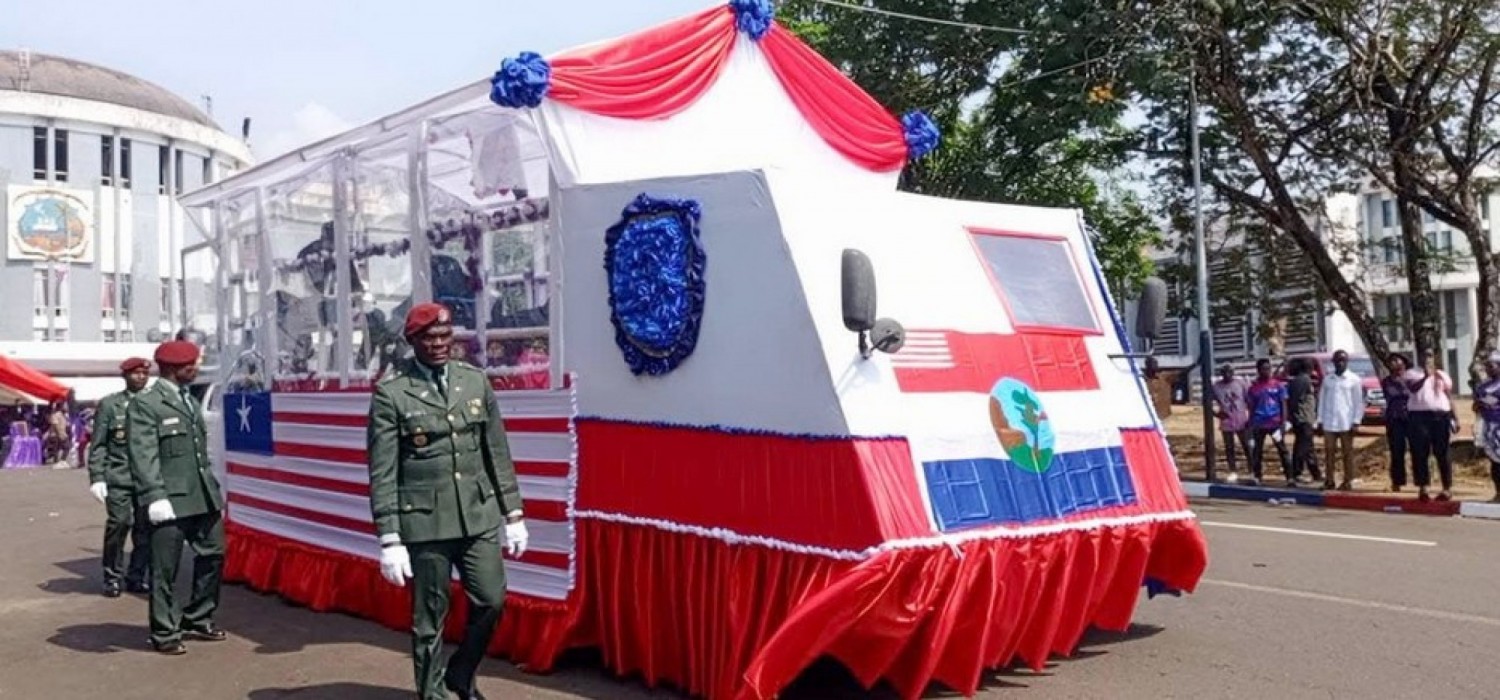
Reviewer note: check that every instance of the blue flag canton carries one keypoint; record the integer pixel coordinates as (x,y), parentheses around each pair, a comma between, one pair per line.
(247,423)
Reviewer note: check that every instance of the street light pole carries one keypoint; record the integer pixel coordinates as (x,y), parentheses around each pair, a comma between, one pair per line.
(1205,337)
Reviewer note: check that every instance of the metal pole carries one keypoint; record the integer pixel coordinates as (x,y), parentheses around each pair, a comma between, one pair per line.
(1205,337)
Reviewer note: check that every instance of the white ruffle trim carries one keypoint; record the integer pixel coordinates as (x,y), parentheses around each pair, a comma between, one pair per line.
(952,540)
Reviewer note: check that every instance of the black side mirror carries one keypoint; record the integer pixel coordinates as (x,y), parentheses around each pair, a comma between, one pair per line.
(1151,309)
(859,291)
(883,334)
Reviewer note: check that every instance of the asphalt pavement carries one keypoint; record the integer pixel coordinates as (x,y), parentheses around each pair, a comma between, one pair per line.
(1297,603)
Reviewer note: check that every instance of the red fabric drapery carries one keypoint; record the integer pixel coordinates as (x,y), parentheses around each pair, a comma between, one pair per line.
(838,493)
(851,121)
(651,75)
(19,376)
(662,71)
(726,621)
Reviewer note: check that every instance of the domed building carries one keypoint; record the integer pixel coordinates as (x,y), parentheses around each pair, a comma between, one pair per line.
(92,161)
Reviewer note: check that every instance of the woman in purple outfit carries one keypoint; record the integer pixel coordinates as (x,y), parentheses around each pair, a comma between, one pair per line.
(1397,390)
(1487,407)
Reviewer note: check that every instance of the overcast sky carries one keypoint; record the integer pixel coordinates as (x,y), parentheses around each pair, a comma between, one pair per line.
(306,69)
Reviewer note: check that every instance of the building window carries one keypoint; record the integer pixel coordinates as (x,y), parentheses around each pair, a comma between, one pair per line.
(1484,207)
(60,154)
(107,160)
(177,172)
(39,153)
(208,171)
(1387,213)
(127,296)
(162,153)
(107,286)
(125,163)
(49,292)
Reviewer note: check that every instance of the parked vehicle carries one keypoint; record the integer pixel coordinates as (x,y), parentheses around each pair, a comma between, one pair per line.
(1322,365)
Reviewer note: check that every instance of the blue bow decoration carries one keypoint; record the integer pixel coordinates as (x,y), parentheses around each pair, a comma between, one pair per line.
(655,262)
(922,135)
(753,17)
(521,81)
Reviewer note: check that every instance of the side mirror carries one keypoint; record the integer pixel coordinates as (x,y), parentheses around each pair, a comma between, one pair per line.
(887,336)
(1151,308)
(859,291)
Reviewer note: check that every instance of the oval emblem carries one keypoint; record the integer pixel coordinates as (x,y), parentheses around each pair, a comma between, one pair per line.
(419,440)
(655,261)
(119,435)
(1022,425)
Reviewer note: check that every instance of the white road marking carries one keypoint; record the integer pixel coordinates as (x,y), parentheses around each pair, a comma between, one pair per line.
(1318,533)
(1355,602)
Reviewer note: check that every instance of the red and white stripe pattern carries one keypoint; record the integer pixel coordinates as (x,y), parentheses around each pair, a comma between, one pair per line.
(924,350)
(316,488)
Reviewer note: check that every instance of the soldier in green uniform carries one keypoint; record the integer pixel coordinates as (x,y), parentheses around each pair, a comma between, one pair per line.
(169,457)
(441,486)
(111,482)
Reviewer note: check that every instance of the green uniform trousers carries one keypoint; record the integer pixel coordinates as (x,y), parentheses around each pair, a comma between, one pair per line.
(205,535)
(482,573)
(125,516)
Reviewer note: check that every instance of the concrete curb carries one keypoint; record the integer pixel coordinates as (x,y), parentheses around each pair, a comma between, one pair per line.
(1340,500)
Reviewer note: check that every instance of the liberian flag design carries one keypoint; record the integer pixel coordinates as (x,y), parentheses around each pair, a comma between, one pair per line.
(296,468)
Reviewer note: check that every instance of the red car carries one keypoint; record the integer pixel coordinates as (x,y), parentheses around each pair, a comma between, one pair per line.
(1322,364)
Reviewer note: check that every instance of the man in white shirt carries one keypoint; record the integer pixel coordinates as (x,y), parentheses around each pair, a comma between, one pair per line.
(1341,406)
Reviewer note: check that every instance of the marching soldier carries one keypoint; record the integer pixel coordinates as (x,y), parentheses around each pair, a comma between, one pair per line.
(111,482)
(169,457)
(441,486)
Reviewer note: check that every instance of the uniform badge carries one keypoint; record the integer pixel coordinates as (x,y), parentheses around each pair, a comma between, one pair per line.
(419,440)
(119,435)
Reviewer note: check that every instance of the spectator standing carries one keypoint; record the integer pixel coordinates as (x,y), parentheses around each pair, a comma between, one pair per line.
(1487,428)
(1397,424)
(1231,405)
(1302,400)
(1267,398)
(1341,407)
(1432,424)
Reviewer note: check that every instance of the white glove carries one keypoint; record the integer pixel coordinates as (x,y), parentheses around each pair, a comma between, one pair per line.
(516,538)
(160,511)
(99,490)
(395,564)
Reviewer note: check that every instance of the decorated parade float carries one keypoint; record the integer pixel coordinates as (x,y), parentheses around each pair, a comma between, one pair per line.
(664,250)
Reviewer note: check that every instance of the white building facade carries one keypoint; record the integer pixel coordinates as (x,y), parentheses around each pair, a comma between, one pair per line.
(91,161)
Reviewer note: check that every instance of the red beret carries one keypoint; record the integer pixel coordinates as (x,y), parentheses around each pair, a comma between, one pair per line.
(424,316)
(134,364)
(177,352)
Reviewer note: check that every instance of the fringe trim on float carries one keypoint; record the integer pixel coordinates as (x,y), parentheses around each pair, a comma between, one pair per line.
(952,541)
(750,432)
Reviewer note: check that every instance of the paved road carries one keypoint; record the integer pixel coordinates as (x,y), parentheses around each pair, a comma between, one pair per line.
(1403,606)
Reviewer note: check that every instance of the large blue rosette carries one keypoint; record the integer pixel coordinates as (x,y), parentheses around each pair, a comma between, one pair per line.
(922,134)
(521,81)
(655,261)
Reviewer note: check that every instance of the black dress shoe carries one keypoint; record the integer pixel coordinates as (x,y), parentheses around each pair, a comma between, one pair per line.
(470,694)
(207,633)
(138,587)
(111,590)
(170,648)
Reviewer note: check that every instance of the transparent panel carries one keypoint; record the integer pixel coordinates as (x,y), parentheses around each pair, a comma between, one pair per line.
(488,212)
(200,268)
(299,228)
(247,341)
(381,280)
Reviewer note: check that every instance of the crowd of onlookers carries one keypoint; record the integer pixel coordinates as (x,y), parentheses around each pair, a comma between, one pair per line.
(61,433)
(1296,404)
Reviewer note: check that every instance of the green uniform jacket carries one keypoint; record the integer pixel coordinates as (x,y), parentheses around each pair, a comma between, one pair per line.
(109,460)
(169,452)
(439,469)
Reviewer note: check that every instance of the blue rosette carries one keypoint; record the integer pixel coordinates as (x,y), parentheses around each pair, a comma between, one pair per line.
(922,134)
(521,81)
(753,17)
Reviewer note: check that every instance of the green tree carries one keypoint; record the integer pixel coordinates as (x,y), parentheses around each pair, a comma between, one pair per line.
(1020,124)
